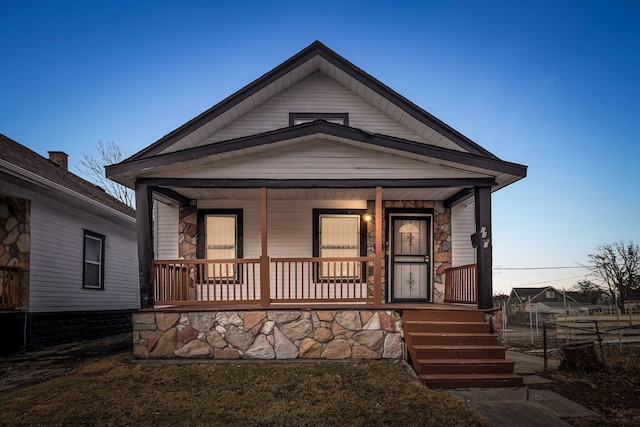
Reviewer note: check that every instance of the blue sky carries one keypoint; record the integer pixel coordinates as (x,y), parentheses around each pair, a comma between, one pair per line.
(550,84)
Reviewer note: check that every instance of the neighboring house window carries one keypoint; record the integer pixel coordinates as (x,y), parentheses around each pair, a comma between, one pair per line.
(299,118)
(93,270)
(339,234)
(550,295)
(220,239)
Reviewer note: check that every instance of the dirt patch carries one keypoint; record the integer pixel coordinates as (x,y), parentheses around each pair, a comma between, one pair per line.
(612,390)
(614,395)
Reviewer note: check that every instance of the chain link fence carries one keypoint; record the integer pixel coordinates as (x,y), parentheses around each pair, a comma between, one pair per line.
(593,342)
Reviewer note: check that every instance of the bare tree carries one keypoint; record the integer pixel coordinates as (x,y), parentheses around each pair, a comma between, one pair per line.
(591,291)
(618,265)
(92,166)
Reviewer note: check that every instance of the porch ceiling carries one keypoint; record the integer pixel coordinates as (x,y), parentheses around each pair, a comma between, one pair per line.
(318,193)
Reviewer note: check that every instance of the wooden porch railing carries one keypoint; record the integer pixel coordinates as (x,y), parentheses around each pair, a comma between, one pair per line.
(321,279)
(460,284)
(193,281)
(9,287)
(291,280)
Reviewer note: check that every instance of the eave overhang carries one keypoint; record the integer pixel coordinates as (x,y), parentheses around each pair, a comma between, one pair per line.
(129,171)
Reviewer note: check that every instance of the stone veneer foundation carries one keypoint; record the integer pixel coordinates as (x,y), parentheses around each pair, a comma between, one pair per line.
(269,334)
(15,216)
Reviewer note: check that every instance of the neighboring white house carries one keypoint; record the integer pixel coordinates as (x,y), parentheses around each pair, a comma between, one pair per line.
(68,258)
(544,304)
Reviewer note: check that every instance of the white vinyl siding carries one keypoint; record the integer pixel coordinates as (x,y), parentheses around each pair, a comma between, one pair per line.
(463,225)
(56,261)
(290,232)
(290,229)
(320,159)
(316,93)
(166,230)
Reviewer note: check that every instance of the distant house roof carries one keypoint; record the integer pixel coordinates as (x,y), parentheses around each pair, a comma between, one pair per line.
(20,156)
(523,294)
(578,297)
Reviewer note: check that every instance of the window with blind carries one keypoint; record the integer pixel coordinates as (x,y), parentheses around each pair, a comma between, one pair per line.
(220,238)
(339,234)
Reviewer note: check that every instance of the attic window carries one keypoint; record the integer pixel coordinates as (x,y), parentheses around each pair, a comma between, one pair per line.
(550,295)
(300,118)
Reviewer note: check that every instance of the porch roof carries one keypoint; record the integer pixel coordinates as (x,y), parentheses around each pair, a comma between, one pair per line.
(464,170)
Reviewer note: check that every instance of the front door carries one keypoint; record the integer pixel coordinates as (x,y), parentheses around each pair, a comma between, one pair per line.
(410,257)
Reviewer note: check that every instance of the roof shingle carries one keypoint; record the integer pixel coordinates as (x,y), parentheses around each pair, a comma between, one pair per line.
(21,156)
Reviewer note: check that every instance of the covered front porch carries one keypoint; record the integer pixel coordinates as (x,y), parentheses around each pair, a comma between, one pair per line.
(276,271)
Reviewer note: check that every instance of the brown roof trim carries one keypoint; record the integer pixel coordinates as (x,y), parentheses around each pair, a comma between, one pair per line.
(318,127)
(313,183)
(314,49)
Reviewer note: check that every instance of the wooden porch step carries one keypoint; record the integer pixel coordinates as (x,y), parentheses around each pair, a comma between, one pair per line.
(463,366)
(454,348)
(458,352)
(474,380)
(445,326)
(451,315)
(448,338)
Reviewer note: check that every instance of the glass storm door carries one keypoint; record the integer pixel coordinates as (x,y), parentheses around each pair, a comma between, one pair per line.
(410,257)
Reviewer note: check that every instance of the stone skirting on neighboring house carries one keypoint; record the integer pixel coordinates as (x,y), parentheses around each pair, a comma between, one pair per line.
(15,241)
(269,334)
(48,329)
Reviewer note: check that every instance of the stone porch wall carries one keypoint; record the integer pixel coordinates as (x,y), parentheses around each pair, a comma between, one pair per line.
(270,334)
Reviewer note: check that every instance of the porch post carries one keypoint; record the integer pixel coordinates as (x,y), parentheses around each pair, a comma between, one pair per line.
(265,288)
(377,262)
(144,230)
(484,251)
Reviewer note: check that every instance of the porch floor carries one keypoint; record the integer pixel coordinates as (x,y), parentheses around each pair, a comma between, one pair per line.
(329,306)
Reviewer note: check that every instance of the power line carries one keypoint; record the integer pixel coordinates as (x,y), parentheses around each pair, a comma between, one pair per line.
(540,268)
(548,281)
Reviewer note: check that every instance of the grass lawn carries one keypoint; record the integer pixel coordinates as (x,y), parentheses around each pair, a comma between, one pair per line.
(114,391)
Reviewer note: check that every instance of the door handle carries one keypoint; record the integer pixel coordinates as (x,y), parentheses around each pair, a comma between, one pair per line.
(426,258)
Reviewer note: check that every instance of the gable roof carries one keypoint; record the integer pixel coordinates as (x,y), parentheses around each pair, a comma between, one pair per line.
(18,155)
(523,294)
(314,57)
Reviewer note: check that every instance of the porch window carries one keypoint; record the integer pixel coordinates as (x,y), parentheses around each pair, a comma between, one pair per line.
(220,239)
(300,118)
(93,266)
(339,234)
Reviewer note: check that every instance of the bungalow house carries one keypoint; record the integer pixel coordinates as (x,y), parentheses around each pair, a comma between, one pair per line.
(316,213)
(543,305)
(68,260)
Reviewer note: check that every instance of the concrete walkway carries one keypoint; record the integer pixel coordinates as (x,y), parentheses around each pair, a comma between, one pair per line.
(521,406)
